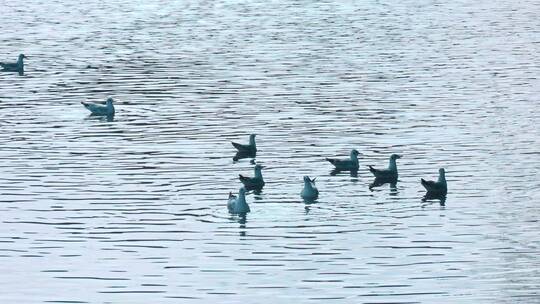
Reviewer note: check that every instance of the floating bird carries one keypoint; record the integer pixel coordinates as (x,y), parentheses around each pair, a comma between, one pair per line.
(253,183)
(250,148)
(438,187)
(310,191)
(350,164)
(100,109)
(14,67)
(238,205)
(390,174)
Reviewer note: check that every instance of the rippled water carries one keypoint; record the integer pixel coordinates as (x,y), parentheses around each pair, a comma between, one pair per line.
(134,210)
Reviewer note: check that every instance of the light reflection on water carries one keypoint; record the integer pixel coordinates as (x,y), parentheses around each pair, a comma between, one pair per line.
(134,210)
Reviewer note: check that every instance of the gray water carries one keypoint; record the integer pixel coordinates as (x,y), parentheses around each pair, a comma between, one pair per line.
(134,210)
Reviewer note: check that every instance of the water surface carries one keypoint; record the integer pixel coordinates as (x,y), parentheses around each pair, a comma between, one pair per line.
(134,210)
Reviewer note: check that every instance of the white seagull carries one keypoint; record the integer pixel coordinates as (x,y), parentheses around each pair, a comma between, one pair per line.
(100,109)
(238,204)
(310,191)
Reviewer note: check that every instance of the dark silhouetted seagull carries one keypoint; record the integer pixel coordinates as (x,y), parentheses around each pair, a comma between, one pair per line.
(253,183)
(250,148)
(438,187)
(14,67)
(390,174)
(350,164)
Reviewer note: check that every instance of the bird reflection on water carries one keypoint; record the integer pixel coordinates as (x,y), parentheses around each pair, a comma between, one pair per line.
(434,196)
(352,173)
(241,155)
(107,118)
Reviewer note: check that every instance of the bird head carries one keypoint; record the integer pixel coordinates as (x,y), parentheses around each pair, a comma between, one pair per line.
(252,139)
(242,191)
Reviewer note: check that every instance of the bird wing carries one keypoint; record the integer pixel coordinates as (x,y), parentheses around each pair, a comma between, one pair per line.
(381,171)
(231,203)
(239,146)
(94,107)
(428,184)
(86,104)
(244,178)
(373,170)
(338,162)
(331,160)
(9,66)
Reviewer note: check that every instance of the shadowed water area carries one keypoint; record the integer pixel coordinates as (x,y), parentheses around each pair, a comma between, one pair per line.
(134,210)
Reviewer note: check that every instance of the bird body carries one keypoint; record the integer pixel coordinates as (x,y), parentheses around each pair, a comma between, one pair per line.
(310,190)
(438,187)
(238,204)
(250,148)
(253,183)
(391,173)
(100,109)
(14,67)
(346,164)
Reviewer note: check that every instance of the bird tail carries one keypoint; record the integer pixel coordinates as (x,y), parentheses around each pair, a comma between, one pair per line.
(331,160)
(371,169)
(242,178)
(429,185)
(236,145)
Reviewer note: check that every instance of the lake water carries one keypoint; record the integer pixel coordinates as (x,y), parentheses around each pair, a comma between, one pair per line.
(134,210)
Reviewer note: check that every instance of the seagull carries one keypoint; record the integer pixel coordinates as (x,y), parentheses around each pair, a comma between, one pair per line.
(238,205)
(387,174)
(14,67)
(346,164)
(250,148)
(310,191)
(100,109)
(253,183)
(438,187)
